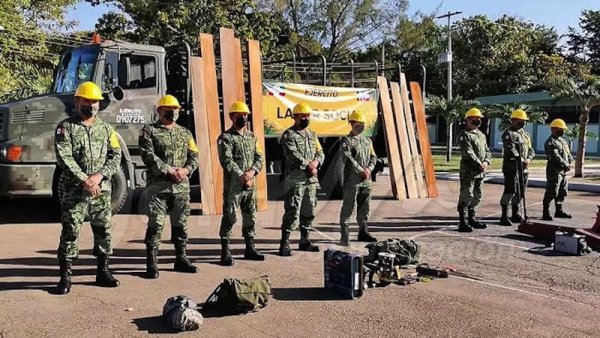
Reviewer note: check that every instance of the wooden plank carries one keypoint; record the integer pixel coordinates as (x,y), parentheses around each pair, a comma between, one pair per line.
(214,119)
(228,72)
(258,125)
(205,169)
(412,140)
(239,72)
(402,128)
(397,179)
(423,132)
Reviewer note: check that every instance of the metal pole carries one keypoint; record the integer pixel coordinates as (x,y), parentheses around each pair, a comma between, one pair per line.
(294,66)
(383,57)
(424,80)
(324,70)
(352,72)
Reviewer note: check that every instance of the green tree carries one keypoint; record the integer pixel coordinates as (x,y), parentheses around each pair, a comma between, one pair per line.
(502,112)
(584,44)
(451,111)
(584,90)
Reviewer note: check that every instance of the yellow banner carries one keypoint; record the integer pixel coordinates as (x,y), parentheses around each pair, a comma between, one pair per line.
(331,107)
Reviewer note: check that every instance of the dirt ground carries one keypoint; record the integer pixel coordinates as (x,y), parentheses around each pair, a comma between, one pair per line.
(522,292)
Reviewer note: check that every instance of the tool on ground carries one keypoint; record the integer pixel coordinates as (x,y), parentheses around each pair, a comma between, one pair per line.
(343,273)
(385,269)
(432,271)
(521,185)
(571,243)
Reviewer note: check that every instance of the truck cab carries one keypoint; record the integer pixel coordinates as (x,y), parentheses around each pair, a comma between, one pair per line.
(133,77)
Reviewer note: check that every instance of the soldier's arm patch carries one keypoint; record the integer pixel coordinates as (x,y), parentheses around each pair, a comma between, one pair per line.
(60,132)
(113,140)
(318,144)
(258,147)
(192,145)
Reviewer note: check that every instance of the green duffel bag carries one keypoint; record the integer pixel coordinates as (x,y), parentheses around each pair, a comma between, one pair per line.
(235,296)
(406,251)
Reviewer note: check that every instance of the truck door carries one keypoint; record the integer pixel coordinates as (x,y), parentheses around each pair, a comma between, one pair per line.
(179,80)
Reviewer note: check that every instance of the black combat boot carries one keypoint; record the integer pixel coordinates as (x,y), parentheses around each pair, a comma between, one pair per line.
(516,216)
(546,213)
(226,259)
(182,263)
(104,277)
(151,261)
(250,253)
(474,222)
(560,213)
(504,218)
(463,226)
(345,235)
(364,235)
(305,243)
(64,285)
(284,245)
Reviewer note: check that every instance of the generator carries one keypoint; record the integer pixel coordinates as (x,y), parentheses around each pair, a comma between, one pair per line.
(570,243)
(343,273)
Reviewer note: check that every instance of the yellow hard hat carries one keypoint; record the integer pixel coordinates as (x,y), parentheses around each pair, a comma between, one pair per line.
(239,107)
(357,117)
(558,123)
(473,112)
(89,90)
(168,101)
(302,108)
(519,114)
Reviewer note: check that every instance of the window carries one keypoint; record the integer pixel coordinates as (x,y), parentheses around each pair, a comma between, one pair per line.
(137,72)
(76,66)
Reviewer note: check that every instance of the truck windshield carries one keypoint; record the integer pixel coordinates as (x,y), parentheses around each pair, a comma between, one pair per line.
(76,66)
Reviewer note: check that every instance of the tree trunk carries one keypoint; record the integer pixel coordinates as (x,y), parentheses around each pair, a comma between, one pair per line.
(449,141)
(584,118)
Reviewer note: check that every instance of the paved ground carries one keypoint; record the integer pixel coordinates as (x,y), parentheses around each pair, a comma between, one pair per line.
(522,292)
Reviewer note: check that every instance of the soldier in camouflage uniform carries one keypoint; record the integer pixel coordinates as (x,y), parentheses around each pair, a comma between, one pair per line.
(303,157)
(88,153)
(560,161)
(171,156)
(359,160)
(241,160)
(516,147)
(475,158)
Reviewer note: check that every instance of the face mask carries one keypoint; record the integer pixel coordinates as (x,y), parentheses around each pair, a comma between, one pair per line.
(90,110)
(358,129)
(171,116)
(304,123)
(521,124)
(560,133)
(241,121)
(476,122)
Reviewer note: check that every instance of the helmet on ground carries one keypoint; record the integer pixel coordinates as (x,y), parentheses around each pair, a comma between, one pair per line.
(89,90)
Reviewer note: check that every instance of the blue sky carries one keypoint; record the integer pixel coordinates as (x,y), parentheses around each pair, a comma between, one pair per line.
(555,13)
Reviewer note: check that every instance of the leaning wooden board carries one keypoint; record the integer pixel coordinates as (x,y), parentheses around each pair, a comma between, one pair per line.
(258,126)
(412,140)
(205,169)
(229,79)
(211,95)
(423,132)
(397,179)
(407,162)
(239,72)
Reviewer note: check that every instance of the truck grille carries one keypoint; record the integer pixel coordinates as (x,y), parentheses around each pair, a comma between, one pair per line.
(3,118)
(33,116)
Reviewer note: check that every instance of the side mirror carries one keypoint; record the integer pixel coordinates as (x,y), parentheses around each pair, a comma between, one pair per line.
(117,92)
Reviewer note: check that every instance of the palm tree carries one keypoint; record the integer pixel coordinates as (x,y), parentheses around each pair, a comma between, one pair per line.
(585,91)
(503,112)
(451,111)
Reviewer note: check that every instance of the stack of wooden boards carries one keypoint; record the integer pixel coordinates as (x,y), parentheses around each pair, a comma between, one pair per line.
(211,117)
(409,150)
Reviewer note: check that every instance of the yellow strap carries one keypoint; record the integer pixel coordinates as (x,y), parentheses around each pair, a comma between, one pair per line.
(372,150)
(319,148)
(114,140)
(192,145)
(258,148)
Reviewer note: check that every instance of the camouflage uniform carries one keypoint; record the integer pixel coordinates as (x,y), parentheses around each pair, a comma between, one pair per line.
(474,152)
(238,153)
(358,154)
(162,148)
(300,147)
(82,151)
(512,140)
(559,159)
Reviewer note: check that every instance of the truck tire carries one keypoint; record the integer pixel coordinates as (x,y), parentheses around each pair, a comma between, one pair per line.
(119,192)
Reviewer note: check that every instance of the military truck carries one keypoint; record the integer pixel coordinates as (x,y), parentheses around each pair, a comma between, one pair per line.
(133,78)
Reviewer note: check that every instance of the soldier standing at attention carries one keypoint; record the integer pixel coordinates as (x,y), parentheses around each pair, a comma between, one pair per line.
(241,160)
(475,158)
(171,156)
(359,160)
(559,163)
(88,153)
(303,156)
(516,147)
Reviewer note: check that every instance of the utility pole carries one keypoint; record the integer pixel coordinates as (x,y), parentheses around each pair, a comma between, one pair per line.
(447,58)
(383,57)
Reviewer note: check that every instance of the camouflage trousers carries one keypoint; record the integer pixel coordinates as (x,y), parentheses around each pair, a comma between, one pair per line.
(556,189)
(300,207)
(470,192)
(75,206)
(177,205)
(246,201)
(511,187)
(359,197)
